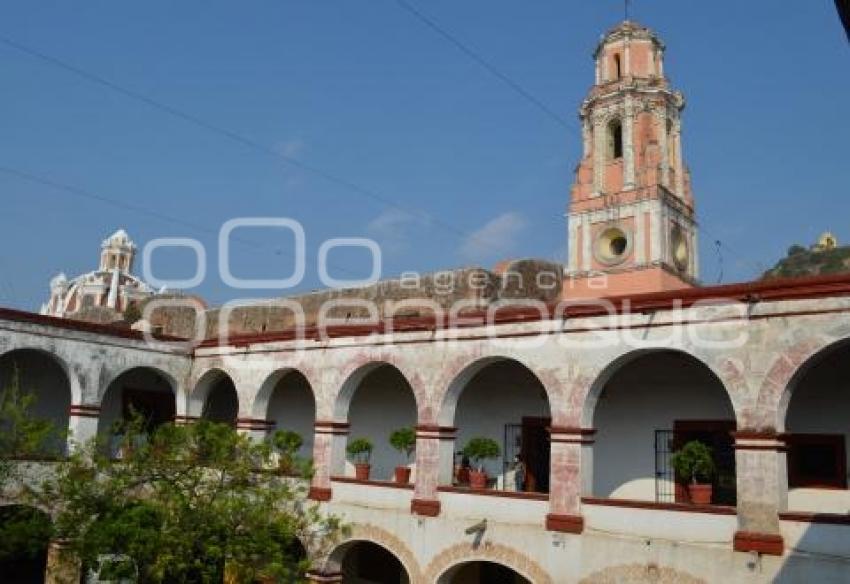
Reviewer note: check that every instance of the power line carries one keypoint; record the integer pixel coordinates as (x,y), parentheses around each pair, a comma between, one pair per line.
(476,57)
(86,194)
(230,135)
(515,86)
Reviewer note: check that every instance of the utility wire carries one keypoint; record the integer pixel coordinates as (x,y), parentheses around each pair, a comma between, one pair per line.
(484,63)
(232,136)
(519,89)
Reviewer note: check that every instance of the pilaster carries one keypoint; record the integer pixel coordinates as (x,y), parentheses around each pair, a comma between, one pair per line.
(570,477)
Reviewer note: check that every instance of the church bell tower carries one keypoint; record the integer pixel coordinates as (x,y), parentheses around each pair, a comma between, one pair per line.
(631,225)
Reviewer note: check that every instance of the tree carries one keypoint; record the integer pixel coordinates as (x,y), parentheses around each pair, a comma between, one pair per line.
(22,435)
(186,503)
(24,531)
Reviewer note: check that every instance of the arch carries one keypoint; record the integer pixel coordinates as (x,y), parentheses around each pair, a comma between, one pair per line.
(501,399)
(260,405)
(615,139)
(588,395)
(481,572)
(146,391)
(377,399)
(48,378)
(457,380)
(355,373)
(812,414)
(495,553)
(364,532)
(641,574)
(214,397)
(644,405)
(25,532)
(787,369)
(287,401)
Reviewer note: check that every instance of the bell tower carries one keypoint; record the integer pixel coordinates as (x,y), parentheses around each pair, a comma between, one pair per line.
(631,225)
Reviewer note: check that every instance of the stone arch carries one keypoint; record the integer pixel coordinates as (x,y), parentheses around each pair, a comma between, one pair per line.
(354,373)
(645,399)
(260,404)
(458,375)
(332,562)
(50,380)
(23,563)
(588,392)
(151,391)
(489,552)
(774,394)
(203,389)
(641,574)
(69,371)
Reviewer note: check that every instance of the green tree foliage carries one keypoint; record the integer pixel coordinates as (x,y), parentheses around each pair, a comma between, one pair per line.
(22,435)
(693,462)
(360,450)
(404,440)
(287,444)
(480,449)
(186,501)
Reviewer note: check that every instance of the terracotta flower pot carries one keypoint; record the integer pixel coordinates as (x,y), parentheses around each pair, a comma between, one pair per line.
(402,475)
(477,479)
(700,494)
(361,471)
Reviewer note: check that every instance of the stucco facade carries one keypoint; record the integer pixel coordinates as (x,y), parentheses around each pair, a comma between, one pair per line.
(599,521)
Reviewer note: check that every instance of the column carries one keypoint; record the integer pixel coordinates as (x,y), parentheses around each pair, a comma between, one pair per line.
(82,424)
(680,170)
(328,456)
(661,124)
(434,466)
(63,566)
(598,155)
(628,145)
(762,486)
(570,477)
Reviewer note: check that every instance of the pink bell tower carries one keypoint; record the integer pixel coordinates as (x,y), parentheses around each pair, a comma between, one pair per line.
(631,224)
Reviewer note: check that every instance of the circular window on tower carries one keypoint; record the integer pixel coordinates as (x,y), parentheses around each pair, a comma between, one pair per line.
(613,245)
(679,249)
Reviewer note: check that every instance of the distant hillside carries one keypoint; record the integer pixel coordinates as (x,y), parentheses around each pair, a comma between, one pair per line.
(816,261)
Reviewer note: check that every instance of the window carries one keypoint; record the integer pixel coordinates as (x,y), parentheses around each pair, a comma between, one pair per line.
(615,140)
(618,67)
(817,460)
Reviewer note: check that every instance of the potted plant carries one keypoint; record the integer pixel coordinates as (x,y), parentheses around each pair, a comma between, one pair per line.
(403,440)
(287,444)
(693,463)
(360,450)
(478,450)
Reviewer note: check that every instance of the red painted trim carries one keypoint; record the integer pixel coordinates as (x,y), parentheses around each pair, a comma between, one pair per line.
(571,440)
(564,523)
(319,494)
(434,428)
(425,507)
(371,483)
(771,447)
(825,518)
(495,493)
(762,291)
(331,424)
(652,505)
(747,434)
(572,430)
(79,325)
(84,411)
(763,543)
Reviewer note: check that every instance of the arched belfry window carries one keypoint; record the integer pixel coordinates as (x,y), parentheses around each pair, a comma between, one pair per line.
(618,67)
(615,140)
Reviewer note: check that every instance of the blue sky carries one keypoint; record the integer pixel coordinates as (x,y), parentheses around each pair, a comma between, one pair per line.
(364,91)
